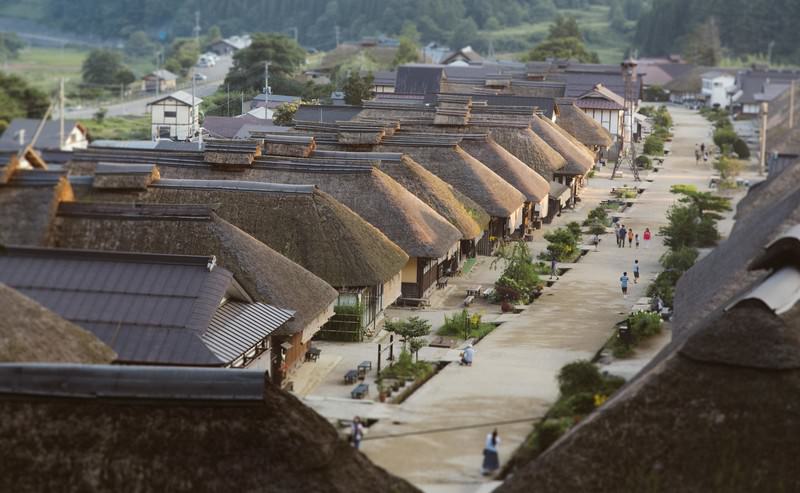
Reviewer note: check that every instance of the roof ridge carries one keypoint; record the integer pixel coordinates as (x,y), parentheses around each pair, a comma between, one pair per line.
(99,255)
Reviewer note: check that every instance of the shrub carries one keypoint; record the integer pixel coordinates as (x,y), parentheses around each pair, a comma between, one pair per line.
(578,404)
(644,162)
(597,229)
(463,323)
(724,136)
(741,149)
(548,431)
(575,229)
(562,244)
(520,278)
(680,259)
(664,287)
(662,117)
(653,145)
(728,167)
(597,215)
(579,376)
(644,324)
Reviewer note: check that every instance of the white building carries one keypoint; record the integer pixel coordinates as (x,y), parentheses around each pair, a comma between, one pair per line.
(175,116)
(717,88)
(606,107)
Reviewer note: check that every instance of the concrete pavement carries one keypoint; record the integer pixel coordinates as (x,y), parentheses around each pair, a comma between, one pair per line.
(513,378)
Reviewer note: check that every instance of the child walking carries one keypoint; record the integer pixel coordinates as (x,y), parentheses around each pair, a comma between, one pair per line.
(636,271)
(623,282)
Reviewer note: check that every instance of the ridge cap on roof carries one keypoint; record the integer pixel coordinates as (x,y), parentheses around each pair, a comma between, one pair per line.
(100,255)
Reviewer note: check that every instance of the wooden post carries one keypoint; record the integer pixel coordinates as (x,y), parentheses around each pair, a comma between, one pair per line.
(791,103)
(763,135)
(379,359)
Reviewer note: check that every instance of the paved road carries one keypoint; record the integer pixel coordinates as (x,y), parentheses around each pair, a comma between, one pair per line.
(514,373)
(138,107)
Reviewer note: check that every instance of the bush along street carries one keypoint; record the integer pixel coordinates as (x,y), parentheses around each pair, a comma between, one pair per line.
(563,243)
(638,327)
(582,389)
(519,282)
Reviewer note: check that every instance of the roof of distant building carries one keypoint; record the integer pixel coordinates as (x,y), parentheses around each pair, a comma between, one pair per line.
(180,96)
(49,138)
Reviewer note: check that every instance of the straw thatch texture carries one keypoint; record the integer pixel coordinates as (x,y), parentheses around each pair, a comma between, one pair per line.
(582,126)
(28,211)
(530,149)
(120,176)
(578,144)
(762,194)
(289,145)
(276,445)
(714,279)
(403,218)
(312,229)
(466,174)
(264,273)
(578,162)
(30,332)
(509,167)
(714,414)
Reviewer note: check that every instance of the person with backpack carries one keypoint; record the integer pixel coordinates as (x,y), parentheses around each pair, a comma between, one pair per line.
(491,458)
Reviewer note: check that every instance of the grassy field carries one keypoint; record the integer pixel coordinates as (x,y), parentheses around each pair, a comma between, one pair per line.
(610,45)
(120,128)
(42,67)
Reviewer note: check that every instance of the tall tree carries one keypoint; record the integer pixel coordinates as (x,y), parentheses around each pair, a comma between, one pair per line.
(357,89)
(10,44)
(703,46)
(283,53)
(102,67)
(407,52)
(19,100)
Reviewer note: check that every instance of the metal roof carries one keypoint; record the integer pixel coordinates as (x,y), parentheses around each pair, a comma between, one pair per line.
(133,382)
(48,139)
(148,308)
(236,327)
(180,96)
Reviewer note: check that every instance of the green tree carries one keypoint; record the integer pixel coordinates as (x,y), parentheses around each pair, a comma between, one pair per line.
(213,35)
(680,259)
(564,26)
(284,114)
(725,137)
(409,329)
(10,44)
(728,167)
(407,52)
(125,77)
(19,100)
(465,33)
(705,203)
(182,55)
(102,66)
(702,46)
(139,44)
(285,57)
(357,89)
(653,145)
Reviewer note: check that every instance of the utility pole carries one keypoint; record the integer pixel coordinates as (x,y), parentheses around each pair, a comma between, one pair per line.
(791,103)
(336,29)
(763,134)
(197,27)
(61,113)
(266,89)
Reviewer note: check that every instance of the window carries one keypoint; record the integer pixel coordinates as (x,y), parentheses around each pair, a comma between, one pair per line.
(170,114)
(163,132)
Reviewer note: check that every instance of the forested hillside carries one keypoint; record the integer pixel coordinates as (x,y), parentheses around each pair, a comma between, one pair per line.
(745,26)
(315,20)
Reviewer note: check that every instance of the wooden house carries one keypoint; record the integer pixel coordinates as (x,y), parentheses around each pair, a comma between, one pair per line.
(170,429)
(175,116)
(160,80)
(20,132)
(606,107)
(582,127)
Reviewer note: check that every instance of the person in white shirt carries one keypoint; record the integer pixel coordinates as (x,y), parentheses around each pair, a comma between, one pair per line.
(491,459)
(468,355)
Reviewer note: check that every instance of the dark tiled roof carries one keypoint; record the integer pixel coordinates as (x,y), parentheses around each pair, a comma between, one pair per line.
(418,79)
(325,113)
(148,308)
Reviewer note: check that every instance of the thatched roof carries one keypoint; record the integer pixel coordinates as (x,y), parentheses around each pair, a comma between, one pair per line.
(713,414)
(531,149)
(301,222)
(264,273)
(235,432)
(28,203)
(456,167)
(712,281)
(31,332)
(579,161)
(582,126)
(462,212)
(412,225)
(764,193)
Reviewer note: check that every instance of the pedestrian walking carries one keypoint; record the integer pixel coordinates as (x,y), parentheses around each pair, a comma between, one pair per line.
(703,148)
(630,238)
(705,157)
(622,234)
(636,237)
(646,236)
(623,282)
(697,157)
(491,458)
(356,432)
(596,241)
(636,271)
(616,231)
(553,265)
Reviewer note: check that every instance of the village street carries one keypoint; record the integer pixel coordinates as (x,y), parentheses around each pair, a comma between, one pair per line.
(513,380)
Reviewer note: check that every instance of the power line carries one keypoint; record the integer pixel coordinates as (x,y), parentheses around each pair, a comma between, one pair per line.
(453,428)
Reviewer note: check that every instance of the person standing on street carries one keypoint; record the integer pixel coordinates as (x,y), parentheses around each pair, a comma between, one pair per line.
(697,157)
(622,234)
(636,238)
(636,271)
(553,265)
(630,238)
(646,236)
(623,282)
(703,148)
(356,432)
(491,458)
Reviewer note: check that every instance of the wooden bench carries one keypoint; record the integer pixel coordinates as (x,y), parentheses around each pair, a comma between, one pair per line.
(364,367)
(313,354)
(469,299)
(441,283)
(360,391)
(351,376)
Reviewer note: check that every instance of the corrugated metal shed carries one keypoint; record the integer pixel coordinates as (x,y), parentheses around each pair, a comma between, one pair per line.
(137,382)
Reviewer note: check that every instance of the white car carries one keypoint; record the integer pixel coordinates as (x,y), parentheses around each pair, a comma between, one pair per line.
(200,77)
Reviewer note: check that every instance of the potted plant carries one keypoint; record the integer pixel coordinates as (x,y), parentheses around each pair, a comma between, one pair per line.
(506,307)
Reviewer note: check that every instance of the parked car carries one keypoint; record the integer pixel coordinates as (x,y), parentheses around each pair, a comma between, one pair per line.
(200,77)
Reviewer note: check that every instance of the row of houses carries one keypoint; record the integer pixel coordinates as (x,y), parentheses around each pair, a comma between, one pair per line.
(277,232)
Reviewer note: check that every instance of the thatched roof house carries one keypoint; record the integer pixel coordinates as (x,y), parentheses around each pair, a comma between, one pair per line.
(713,412)
(31,332)
(579,160)
(582,126)
(170,429)
(301,222)
(28,202)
